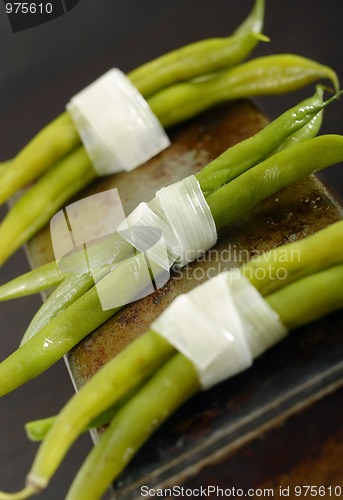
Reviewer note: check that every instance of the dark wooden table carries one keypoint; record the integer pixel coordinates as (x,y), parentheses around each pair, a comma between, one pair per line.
(40,69)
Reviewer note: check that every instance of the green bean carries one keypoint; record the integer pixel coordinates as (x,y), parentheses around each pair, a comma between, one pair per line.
(281,170)
(108,252)
(274,74)
(164,392)
(60,138)
(244,155)
(227,203)
(296,304)
(297,259)
(203,57)
(65,330)
(38,429)
(104,253)
(114,386)
(42,278)
(40,203)
(309,298)
(54,141)
(71,289)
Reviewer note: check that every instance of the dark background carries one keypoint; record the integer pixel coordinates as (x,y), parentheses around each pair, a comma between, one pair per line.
(41,68)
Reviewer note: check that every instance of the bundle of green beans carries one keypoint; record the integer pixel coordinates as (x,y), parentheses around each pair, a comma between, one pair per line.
(151,379)
(174,91)
(235,182)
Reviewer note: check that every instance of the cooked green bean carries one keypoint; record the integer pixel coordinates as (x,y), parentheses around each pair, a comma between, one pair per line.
(244,155)
(173,384)
(60,138)
(110,251)
(276,74)
(227,203)
(297,259)
(42,278)
(50,145)
(126,377)
(273,174)
(36,207)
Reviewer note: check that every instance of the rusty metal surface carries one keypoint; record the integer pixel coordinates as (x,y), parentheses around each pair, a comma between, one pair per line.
(208,432)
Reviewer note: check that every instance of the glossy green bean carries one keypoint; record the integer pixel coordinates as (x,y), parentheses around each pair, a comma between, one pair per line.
(244,155)
(274,74)
(114,385)
(42,278)
(108,252)
(40,203)
(273,174)
(50,145)
(297,259)
(60,138)
(65,330)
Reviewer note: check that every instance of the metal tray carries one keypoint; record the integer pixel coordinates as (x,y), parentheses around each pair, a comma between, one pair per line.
(205,437)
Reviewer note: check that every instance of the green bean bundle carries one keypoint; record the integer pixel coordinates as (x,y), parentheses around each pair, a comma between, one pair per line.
(164,378)
(60,138)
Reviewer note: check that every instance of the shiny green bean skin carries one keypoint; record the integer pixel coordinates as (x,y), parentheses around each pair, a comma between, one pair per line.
(309,255)
(296,304)
(244,155)
(273,174)
(35,281)
(50,145)
(309,298)
(161,396)
(114,385)
(270,75)
(64,331)
(60,137)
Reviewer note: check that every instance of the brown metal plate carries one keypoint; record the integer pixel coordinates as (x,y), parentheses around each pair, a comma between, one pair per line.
(205,433)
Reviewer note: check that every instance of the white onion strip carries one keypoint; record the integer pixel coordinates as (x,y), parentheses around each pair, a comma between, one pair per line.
(220,326)
(177,226)
(117,127)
